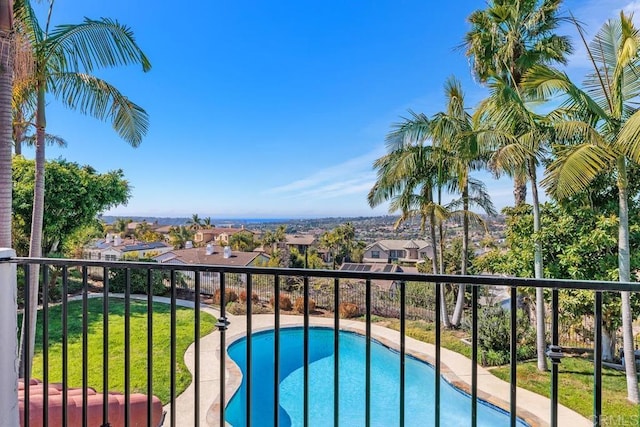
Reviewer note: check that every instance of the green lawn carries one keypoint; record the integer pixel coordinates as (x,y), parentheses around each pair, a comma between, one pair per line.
(138,354)
(575,387)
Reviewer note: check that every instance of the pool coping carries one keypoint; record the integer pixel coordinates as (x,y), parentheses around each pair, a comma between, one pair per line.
(454,367)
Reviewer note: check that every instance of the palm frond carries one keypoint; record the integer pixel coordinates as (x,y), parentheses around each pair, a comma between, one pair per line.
(94,44)
(576,167)
(97,98)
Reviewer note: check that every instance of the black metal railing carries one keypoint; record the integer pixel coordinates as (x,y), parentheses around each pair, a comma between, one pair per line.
(177,290)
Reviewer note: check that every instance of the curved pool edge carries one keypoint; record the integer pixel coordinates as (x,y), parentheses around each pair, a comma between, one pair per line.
(455,369)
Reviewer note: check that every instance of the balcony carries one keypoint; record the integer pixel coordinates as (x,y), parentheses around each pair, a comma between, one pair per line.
(256,381)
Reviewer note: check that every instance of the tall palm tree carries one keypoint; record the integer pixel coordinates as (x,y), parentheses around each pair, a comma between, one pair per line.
(408,176)
(457,132)
(599,127)
(64,57)
(519,139)
(7,49)
(508,38)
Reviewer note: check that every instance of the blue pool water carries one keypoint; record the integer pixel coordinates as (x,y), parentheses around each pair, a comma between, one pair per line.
(385,374)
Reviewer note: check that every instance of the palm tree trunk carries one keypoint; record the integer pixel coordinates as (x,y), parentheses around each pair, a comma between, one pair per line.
(35,242)
(459,309)
(625,276)
(6,87)
(444,313)
(538,271)
(519,190)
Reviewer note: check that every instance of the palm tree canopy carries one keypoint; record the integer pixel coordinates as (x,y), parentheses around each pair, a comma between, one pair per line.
(510,36)
(65,57)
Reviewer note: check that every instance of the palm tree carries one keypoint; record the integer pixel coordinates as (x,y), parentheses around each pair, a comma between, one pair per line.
(195,223)
(63,59)
(408,176)
(508,38)
(7,49)
(519,138)
(599,127)
(179,236)
(206,223)
(457,133)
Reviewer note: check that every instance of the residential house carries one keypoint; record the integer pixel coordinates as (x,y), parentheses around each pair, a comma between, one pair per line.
(301,242)
(114,248)
(397,251)
(217,235)
(385,285)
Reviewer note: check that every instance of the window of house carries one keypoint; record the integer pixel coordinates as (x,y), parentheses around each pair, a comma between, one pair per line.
(375,254)
(110,257)
(396,254)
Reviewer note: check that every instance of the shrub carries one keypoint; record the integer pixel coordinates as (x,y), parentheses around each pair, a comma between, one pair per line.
(229,296)
(254,297)
(348,310)
(299,305)
(285,302)
(138,282)
(240,309)
(494,331)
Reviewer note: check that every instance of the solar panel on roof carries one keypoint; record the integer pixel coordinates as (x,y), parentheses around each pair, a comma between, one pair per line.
(367,268)
(387,269)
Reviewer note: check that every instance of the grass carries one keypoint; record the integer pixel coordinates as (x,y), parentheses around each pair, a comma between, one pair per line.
(575,381)
(138,348)
(575,386)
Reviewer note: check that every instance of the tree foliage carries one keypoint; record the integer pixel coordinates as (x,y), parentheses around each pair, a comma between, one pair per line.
(74,196)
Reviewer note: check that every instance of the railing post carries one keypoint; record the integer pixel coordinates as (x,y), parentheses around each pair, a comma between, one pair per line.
(9,340)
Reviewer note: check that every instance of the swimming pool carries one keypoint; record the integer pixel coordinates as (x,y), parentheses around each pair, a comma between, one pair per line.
(385,374)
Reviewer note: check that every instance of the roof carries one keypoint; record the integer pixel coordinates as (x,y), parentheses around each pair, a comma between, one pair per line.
(374,267)
(389,245)
(300,239)
(216,231)
(199,256)
(127,245)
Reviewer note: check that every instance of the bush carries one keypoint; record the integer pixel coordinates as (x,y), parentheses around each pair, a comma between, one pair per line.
(240,309)
(348,310)
(285,302)
(494,332)
(138,282)
(299,305)
(229,296)
(254,297)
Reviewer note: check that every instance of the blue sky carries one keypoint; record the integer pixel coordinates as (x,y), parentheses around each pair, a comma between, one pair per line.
(276,108)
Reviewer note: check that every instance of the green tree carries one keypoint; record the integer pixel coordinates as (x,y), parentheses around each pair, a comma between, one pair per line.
(242,241)
(195,223)
(179,236)
(64,59)
(598,127)
(145,233)
(74,196)
(508,38)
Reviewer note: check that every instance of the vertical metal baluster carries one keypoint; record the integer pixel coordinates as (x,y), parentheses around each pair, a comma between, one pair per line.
(367,415)
(474,356)
(65,348)
(403,327)
(554,366)
(26,314)
(437,375)
(276,351)
(149,345)
(127,348)
(514,349)
(249,350)
(597,369)
(196,356)
(85,347)
(173,349)
(105,347)
(45,344)
(222,326)
(336,352)
(305,353)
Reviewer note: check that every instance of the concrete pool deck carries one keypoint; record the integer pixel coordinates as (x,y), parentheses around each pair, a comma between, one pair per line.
(533,408)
